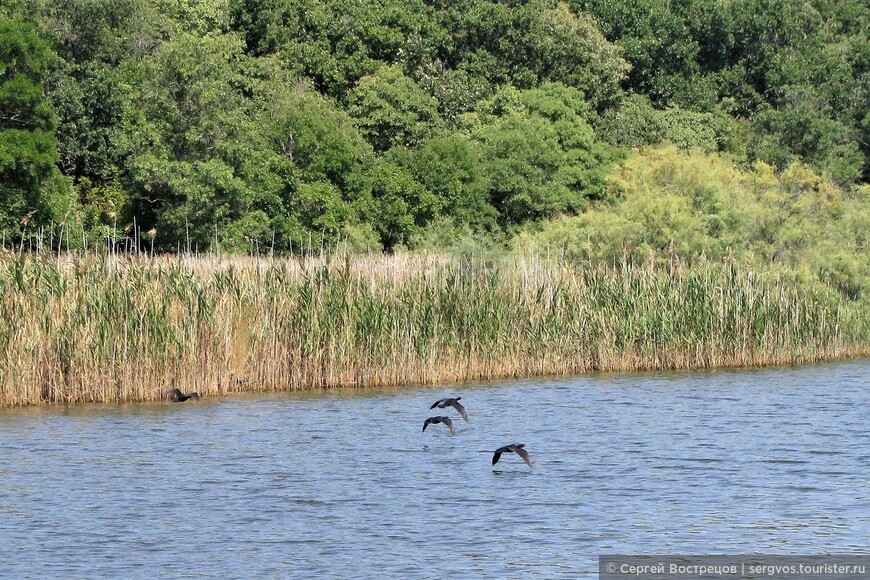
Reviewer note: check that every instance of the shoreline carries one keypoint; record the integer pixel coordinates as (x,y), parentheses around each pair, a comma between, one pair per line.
(375,388)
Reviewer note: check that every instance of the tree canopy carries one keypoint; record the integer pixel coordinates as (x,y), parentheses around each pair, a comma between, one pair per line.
(31,189)
(249,123)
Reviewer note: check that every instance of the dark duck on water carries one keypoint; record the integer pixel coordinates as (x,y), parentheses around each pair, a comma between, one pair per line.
(179,397)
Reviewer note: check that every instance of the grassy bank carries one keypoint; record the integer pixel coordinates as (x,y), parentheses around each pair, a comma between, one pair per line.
(78,329)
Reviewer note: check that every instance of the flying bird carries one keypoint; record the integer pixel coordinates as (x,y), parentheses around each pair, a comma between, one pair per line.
(441,419)
(450,402)
(179,397)
(515,448)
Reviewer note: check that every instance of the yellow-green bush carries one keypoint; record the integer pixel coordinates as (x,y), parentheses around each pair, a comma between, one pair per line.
(664,203)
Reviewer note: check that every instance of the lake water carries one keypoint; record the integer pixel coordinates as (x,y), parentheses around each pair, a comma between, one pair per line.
(346,484)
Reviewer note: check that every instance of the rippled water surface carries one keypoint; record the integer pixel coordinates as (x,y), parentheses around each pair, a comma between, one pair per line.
(346,484)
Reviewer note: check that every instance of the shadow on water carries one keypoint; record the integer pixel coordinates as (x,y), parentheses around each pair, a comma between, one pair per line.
(510,473)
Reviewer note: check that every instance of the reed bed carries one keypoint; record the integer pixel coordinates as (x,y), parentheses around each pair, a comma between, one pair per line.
(116,329)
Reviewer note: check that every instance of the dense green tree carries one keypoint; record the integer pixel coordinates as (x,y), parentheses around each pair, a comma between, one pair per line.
(90,96)
(392,110)
(89,30)
(656,41)
(528,43)
(328,155)
(393,202)
(636,122)
(90,103)
(30,187)
(798,130)
(337,42)
(276,122)
(539,155)
(523,159)
(450,167)
(796,68)
(198,161)
(319,138)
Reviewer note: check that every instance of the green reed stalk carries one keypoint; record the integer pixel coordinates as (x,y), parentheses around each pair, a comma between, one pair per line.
(114,329)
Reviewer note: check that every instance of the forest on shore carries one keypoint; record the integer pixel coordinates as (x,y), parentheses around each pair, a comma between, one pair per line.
(612,130)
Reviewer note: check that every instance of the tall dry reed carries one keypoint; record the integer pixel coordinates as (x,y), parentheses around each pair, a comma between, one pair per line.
(114,329)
